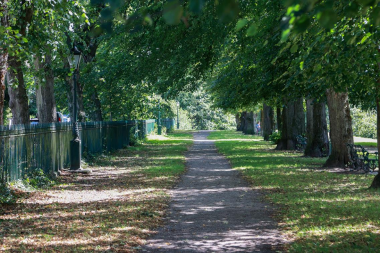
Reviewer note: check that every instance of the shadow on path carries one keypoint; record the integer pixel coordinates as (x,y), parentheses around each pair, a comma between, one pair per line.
(214,210)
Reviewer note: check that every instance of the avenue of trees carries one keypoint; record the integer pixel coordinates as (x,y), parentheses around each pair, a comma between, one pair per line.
(278,55)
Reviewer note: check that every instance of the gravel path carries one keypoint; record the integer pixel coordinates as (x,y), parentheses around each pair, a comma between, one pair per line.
(214,210)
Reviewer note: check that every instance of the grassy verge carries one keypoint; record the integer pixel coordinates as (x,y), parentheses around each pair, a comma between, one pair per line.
(114,209)
(367,144)
(320,210)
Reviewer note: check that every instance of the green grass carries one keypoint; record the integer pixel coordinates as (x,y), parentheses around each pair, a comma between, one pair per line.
(320,210)
(114,209)
(367,144)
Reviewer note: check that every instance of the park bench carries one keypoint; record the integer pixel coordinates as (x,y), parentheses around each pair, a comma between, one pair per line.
(361,159)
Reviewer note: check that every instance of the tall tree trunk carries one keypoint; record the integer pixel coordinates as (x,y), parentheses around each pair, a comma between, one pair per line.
(267,123)
(98,106)
(46,106)
(376,181)
(293,124)
(243,121)
(249,124)
(279,118)
(340,128)
(238,122)
(4,22)
(81,111)
(18,99)
(309,119)
(317,140)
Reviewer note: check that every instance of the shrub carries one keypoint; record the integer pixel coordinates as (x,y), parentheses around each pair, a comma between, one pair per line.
(7,196)
(38,179)
(301,142)
(134,137)
(275,137)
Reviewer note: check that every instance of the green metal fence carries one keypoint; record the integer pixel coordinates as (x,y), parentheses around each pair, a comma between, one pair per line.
(47,146)
(146,127)
(168,123)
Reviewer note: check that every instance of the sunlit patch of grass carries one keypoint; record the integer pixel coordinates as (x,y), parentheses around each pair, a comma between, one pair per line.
(114,209)
(320,210)
(367,144)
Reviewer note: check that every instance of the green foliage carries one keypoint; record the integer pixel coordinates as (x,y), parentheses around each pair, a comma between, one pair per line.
(275,137)
(202,113)
(170,130)
(7,196)
(134,137)
(364,123)
(301,142)
(38,179)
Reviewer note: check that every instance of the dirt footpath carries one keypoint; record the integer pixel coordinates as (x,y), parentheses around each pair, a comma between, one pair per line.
(214,210)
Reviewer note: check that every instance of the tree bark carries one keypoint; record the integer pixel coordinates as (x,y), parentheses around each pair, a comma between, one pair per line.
(340,128)
(309,119)
(98,106)
(317,139)
(267,123)
(81,111)
(238,121)
(46,106)
(376,181)
(18,98)
(249,127)
(279,118)
(4,22)
(293,124)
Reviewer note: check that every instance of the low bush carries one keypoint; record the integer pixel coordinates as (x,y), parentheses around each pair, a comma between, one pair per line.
(275,137)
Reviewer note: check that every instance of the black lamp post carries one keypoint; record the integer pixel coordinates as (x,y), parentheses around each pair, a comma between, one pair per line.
(75,143)
(177,115)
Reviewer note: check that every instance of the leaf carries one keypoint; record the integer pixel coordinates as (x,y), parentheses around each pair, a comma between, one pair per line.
(252,30)
(173,12)
(196,6)
(366,2)
(301,65)
(327,18)
(301,24)
(240,24)
(294,48)
(285,34)
(375,16)
(317,67)
(25,40)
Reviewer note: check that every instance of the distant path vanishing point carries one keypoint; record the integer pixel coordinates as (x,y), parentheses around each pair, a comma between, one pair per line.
(214,210)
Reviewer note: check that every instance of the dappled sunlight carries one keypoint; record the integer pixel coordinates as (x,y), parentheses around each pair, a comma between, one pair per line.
(321,209)
(112,209)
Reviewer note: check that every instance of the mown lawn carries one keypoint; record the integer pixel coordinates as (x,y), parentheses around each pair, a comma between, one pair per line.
(321,211)
(112,210)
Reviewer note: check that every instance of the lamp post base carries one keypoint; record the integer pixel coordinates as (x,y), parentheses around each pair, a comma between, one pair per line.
(76,157)
(177,126)
(159,131)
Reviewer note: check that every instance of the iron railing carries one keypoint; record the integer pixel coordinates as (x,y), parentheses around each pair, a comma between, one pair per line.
(24,148)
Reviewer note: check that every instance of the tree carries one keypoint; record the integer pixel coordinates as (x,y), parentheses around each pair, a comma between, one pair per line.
(317,138)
